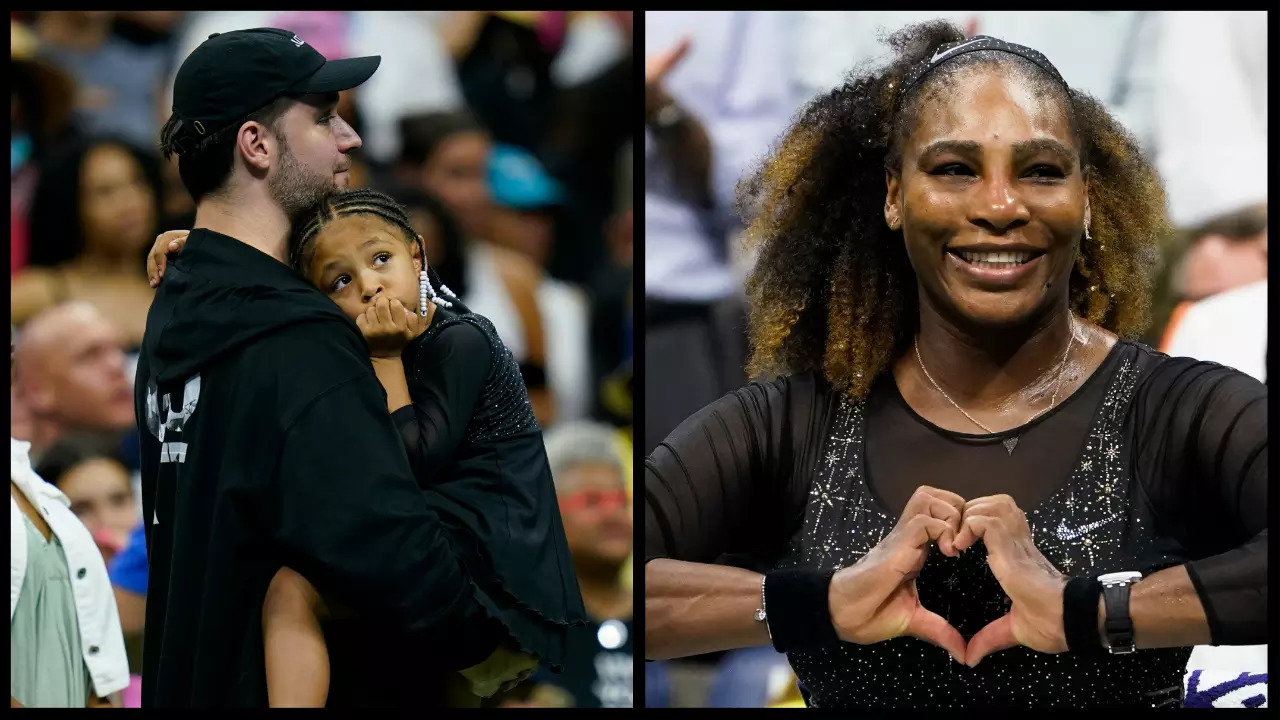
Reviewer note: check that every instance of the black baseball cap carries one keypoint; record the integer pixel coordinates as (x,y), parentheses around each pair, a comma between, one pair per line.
(233,74)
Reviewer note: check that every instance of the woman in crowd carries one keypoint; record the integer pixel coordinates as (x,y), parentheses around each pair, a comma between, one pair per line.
(959,444)
(92,220)
(447,155)
(98,486)
(65,644)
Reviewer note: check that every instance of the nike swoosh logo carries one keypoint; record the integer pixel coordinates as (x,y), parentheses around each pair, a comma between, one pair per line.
(1065,533)
(948,51)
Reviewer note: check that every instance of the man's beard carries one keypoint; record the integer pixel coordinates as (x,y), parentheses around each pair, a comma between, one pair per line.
(295,188)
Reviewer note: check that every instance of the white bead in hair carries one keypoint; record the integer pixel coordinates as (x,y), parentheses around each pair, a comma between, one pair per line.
(427,292)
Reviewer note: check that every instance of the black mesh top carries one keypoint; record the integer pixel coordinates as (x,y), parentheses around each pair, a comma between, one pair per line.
(1154,461)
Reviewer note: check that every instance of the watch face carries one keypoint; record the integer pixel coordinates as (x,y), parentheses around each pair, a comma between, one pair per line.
(1119,577)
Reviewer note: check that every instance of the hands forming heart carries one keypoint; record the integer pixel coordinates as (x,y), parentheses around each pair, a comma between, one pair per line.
(876,600)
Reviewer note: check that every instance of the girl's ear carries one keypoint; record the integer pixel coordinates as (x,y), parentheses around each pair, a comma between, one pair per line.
(417,255)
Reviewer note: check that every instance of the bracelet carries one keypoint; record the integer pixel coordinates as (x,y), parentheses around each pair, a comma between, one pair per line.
(762,614)
(803,615)
(1080,615)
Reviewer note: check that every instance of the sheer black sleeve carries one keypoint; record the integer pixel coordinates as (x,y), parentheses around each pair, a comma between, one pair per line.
(732,478)
(1202,458)
(445,382)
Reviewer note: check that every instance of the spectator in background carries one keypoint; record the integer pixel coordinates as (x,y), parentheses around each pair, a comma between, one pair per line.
(1211,110)
(128,574)
(441,234)
(503,64)
(591,483)
(97,484)
(1210,131)
(612,291)
(717,93)
(524,198)
(65,644)
(447,155)
(93,219)
(416,74)
(71,380)
(39,116)
(522,220)
(118,81)
(591,128)
(1226,252)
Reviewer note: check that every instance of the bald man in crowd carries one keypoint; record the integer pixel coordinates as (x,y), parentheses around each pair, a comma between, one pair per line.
(71,378)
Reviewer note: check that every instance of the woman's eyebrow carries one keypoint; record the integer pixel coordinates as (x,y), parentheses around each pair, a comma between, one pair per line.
(959,147)
(1027,148)
(1021,150)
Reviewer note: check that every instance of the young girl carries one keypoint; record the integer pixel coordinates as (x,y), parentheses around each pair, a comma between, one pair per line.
(457,398)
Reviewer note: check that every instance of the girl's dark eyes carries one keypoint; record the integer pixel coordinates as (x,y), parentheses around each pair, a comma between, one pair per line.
(339,282)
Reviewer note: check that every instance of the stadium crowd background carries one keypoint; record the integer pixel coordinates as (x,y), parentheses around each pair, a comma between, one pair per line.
(1192,87)
(506,134)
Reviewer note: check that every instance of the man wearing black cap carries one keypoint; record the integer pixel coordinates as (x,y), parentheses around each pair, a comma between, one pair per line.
(268,443)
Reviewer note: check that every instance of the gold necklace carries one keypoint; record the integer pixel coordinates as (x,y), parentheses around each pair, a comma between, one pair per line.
(1011,442)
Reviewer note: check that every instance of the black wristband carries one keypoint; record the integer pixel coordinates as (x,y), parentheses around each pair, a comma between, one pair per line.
(1080,615)
(798,614)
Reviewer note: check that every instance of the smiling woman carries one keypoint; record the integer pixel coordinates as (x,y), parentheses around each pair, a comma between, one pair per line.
(955,251)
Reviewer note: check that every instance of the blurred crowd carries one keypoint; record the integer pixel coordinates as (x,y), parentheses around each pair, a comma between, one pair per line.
(721,87)
(507,136)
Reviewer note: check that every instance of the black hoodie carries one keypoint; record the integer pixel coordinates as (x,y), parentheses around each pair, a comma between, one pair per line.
(267,443)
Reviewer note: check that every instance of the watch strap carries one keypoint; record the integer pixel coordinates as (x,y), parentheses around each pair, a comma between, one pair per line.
(1119,626)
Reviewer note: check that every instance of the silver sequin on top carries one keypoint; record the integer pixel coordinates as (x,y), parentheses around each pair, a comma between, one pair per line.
(1088,527)
(503,409)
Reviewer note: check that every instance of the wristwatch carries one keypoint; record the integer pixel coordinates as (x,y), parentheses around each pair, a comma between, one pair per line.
(1115,596)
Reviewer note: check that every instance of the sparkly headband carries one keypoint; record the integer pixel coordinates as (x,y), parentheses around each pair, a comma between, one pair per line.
(974,44)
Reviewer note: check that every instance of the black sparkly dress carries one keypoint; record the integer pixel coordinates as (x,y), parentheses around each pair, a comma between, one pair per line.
(1153,462)
(476,449)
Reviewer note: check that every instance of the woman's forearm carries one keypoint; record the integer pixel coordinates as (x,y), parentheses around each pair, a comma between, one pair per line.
(390,372)
(1166,611)
(694,608)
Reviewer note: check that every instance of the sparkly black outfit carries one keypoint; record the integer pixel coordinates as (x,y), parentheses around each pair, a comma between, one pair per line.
(1152,462)
(476,448)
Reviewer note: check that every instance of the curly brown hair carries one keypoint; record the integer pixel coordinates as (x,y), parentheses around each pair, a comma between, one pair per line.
(832,289)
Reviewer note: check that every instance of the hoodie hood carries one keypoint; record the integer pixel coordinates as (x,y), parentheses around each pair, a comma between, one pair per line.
(219,294)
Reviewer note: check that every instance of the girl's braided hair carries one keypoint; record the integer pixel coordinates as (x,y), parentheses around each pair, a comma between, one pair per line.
(302,242)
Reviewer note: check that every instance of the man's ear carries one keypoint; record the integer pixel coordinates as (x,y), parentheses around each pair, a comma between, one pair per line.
(256,145)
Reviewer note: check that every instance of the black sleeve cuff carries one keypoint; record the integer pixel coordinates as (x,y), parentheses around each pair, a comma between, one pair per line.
(404,416)
(797,610)
(1215,625)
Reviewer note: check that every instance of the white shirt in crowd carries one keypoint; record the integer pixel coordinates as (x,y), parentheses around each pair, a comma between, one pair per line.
(1211,107)
(101,638)
(736,80)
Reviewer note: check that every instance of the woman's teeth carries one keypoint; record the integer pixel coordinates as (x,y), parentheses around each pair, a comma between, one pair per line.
(995,259)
